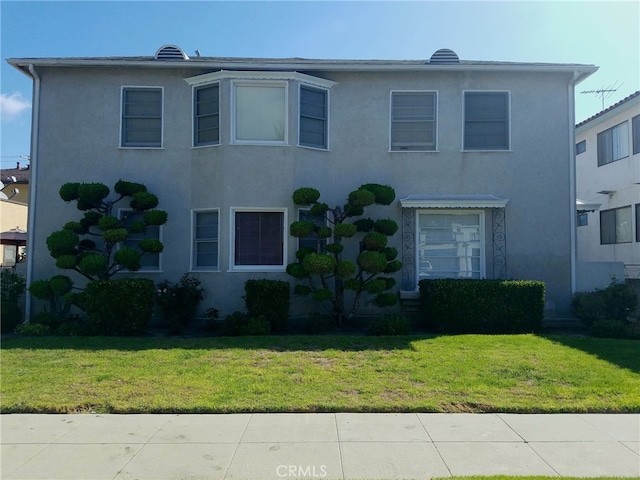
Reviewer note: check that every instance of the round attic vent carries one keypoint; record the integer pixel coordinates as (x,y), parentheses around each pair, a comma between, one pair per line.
(444,56)
(171,52)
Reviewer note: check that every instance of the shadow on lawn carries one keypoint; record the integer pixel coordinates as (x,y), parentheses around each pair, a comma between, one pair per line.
(284,343)
(623,353)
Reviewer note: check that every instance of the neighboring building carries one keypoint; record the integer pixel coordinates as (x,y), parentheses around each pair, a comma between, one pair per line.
(14,200)
(608,181)
(480,155)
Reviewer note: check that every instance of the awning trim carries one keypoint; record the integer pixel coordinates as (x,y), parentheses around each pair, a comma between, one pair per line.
(453,201)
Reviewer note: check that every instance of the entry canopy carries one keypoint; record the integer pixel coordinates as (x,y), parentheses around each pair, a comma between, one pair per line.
(453,201)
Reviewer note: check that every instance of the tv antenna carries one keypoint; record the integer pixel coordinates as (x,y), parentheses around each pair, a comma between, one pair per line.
(605,92)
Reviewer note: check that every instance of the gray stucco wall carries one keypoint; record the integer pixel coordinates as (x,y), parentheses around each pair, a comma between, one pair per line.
(79,139)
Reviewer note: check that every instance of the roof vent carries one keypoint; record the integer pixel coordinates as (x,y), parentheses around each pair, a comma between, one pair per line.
(171,52)
(444,56)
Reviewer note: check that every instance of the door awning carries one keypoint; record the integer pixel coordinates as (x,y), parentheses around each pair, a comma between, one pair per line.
(453,201)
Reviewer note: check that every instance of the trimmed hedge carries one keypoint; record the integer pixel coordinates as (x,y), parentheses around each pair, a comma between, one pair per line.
(482,306)
(269,299)
(119,307)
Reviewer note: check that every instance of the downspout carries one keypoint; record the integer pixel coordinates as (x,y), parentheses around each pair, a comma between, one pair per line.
(572,178)
(33,186)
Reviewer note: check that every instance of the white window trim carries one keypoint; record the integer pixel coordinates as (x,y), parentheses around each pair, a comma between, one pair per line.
(121,139)
(232,245)
(193,115)
(265,83)
(328,114)
(509,119)
(160,255)
(435,133)
(447,211)
(192,266)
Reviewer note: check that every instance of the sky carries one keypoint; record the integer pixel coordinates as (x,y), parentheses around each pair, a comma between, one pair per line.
(605,34)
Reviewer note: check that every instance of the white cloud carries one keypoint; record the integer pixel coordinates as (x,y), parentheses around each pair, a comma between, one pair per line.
(11,106)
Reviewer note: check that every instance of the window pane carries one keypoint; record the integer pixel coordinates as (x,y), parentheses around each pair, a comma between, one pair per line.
(413,121)
(623,225)
(313,117)
(615,226)
(312,241)
(260,113)
(613,144)
(205,248)
(207,118)
(635,127)
(449,245)
(486,121)
(142,117)
(581,147)
(259,238)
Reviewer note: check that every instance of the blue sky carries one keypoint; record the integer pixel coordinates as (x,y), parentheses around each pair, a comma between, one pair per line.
(606,34)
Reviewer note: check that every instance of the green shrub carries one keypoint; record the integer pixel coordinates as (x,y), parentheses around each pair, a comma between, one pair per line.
(610,328)
(305,196)
(12,287)
(615,302)
(269,299)
(179,303)
(482,306)
(241,324)
(119,307)
(33,330)
(390,324)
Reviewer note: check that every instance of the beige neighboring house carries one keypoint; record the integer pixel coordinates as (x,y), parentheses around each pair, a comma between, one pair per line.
(608,184)
(14,207)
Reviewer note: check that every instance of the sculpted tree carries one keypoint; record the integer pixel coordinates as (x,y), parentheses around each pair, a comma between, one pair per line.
(88,246)
(324,273)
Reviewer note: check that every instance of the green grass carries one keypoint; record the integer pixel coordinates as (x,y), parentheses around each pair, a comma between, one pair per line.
(465,373)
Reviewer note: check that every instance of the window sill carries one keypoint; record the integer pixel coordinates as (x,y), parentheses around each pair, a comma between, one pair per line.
(260,144)
(310,147)
(487,151)
(257,268)
(202,270)
(414,151)
(198,147)
(140,148)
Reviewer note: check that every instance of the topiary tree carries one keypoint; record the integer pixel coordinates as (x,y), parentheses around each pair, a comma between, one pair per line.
(322,270)
(89,246)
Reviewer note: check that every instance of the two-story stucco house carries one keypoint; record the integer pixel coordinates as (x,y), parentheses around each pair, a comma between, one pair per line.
(480,154)
(608,179)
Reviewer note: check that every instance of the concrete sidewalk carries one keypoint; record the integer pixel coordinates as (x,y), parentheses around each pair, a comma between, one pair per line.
(331,446)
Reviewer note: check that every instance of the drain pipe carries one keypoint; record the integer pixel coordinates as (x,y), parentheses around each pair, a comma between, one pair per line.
(572,178)
(33,185)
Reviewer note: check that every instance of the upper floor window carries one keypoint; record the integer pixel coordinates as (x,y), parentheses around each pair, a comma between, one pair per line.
(613,144)
(313,117)
(204,249)
(206,115)
(260,113)
(615,226)
(259,241)
(141,117)
(486,121)
(583,219)
(413,121)
(635,129)
(581,147)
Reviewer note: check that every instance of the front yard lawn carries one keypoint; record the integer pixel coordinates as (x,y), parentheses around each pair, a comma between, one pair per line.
(464,373)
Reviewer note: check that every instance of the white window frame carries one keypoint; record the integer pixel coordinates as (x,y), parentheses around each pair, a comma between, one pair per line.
(260,83)
(162,115)
(121,211)
(508,148)
(455,211)
(435,121)
(232,246)
(328,115)
(192,266)
(194,89)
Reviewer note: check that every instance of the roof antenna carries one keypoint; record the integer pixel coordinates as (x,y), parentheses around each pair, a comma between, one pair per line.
(197,52)
(605,92)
